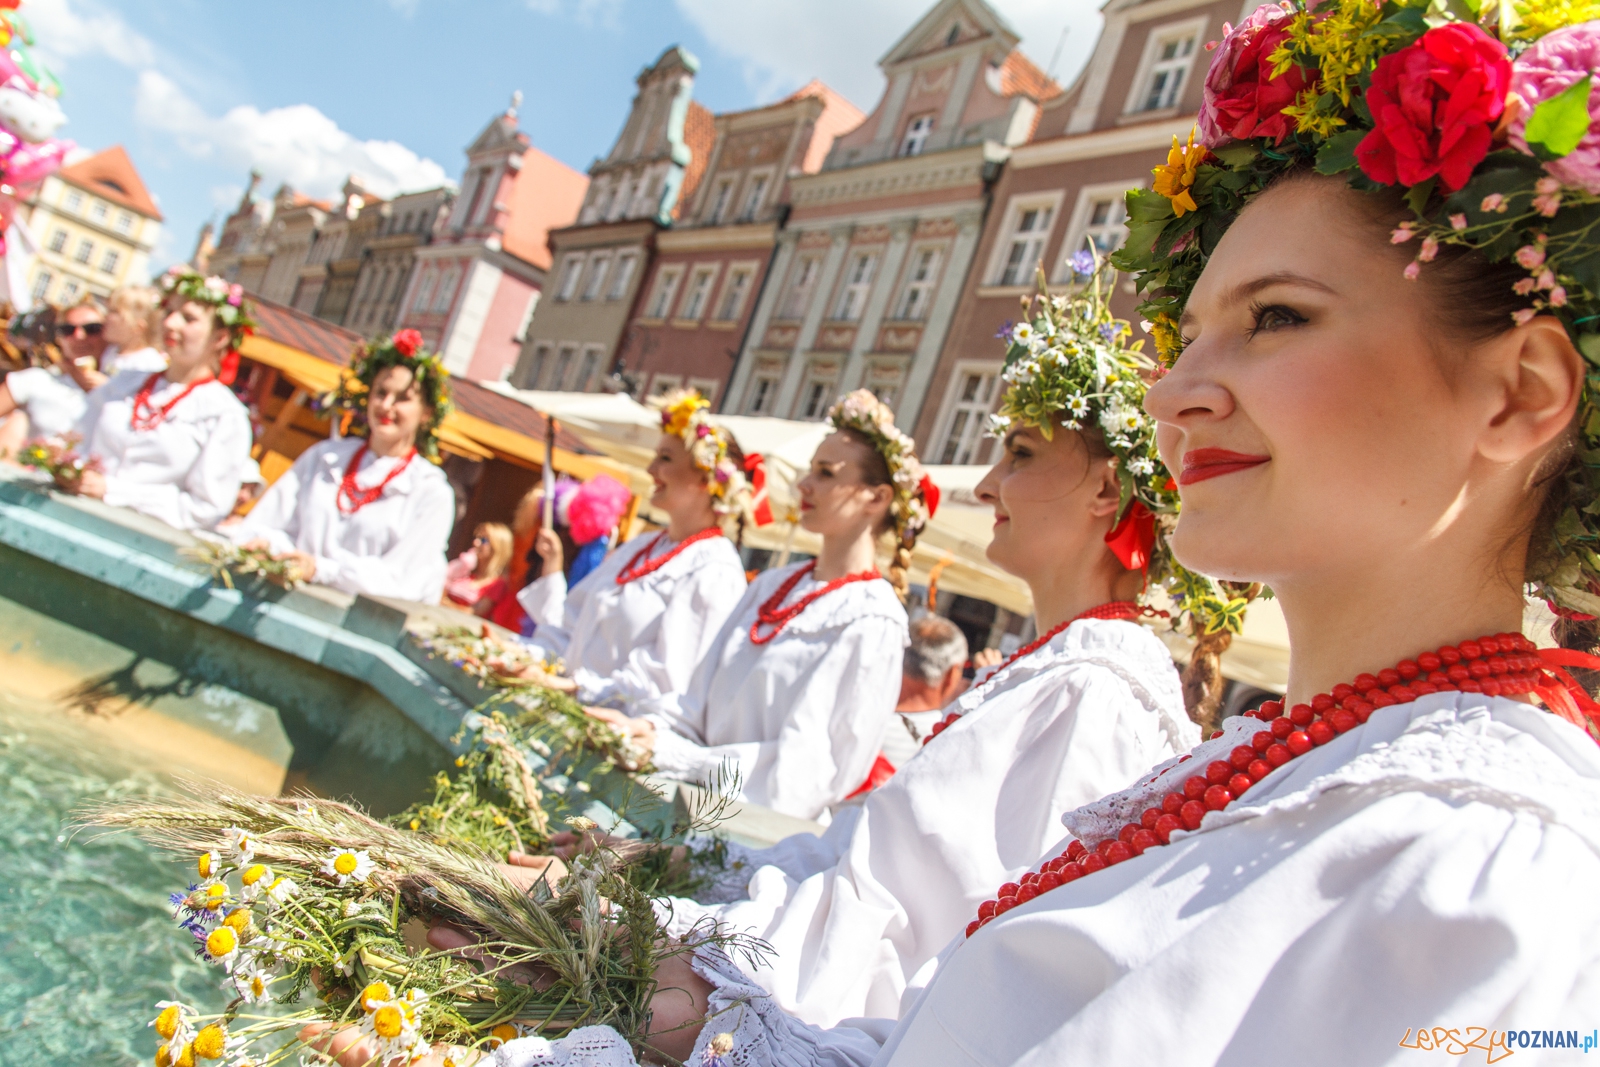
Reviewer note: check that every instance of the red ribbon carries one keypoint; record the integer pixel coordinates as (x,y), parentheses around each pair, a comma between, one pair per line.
(1133,538)
(1568,699)
(930,495)
(882,771)
(756,467)
(230,367)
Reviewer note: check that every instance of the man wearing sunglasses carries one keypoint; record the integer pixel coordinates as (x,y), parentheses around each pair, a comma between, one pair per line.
(46,401)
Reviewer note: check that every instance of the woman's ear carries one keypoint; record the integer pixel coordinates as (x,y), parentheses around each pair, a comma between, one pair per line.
(1537,374)
(1107,499)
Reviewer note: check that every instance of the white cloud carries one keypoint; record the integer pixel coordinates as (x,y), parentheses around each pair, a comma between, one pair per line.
(297,144)
(782,46)
(65,33)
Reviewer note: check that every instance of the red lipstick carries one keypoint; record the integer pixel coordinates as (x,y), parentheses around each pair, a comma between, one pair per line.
(1204,463)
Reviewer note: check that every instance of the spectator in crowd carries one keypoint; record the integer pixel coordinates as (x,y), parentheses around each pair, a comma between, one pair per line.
(525,526)
(931,676)
(476,579)
(174,444)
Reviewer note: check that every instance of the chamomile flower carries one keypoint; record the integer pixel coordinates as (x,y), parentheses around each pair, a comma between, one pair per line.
(394,1024)
(222,946)
(375,994)
(345,865)
(998,425)
(242,844)
(213,1042)
(281,889)
(254,880)
(1021,333)
(1141,466)
(1077,406)
(209,865)
(174,1024)
(717,1050)
(252,982)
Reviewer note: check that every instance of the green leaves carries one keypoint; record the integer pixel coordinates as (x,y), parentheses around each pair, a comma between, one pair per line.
(1338,153)
(1557,125)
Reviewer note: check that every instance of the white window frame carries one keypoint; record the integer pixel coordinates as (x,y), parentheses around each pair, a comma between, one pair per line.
(449,282)
(571,271)
(1016,211)
(125,222)
(664,292)
(967,420)
(627,263)
(41,285)
(621,202)
(797,293)
(74,200)
(706,387)
(85,251)
(718,208)
(763,395)
(918,130)
(588,366)
(697,297)
(58,241)
(735,292)
(662,384)
(599,263)
(110,260)
(855,286)
(811,398)
(1151,63)
(916,296)
(542,351)
(1082,222)
(69,290)
(98,211)
(566,357)
(757,184)
(424,298)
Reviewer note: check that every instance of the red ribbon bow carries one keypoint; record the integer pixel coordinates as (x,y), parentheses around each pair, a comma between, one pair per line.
(1133,538)
(230,367)
(930,494)
(1566,697)
(756,467)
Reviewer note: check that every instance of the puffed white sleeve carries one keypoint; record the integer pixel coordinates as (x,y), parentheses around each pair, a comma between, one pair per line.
(208,490)
(699,605)
(414,568)
(830,737)
(276,517)
(94,404)
(545,600)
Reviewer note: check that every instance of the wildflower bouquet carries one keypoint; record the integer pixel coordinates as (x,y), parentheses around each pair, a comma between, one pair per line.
(314,906)
(225,559)
(58,457)
(479,654)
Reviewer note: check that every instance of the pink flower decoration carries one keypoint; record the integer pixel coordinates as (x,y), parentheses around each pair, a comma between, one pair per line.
(1558,297)
(1530,257)
(1524,316)
(1458,222)
(1495,202)
(1553,65)
(1413,271)
(1523,287)
(1430,249)
(1402,234)
(1241,98)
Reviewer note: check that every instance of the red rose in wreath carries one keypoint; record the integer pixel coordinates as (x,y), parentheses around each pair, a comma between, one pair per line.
(1434,105)
(1242,99)
(406,342)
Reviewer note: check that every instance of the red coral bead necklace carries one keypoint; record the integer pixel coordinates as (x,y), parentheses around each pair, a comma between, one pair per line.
(351,498)
(1500,665)
(772,614)
(146,416)
(635,569)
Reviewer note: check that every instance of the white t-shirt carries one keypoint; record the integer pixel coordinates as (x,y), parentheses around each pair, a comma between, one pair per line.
(626,644)
(52,399)
(392,547)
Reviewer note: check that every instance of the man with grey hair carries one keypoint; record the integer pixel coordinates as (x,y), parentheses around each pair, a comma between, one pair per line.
(931,677)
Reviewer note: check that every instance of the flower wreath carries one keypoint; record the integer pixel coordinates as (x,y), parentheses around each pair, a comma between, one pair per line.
(404,349)
(916,498)
(735,488)
(227,304)
(1487,116)
(1071,361)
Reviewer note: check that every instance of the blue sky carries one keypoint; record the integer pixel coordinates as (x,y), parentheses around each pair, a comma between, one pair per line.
(200,91)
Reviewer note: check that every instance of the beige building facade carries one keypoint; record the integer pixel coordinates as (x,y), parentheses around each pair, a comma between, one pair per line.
(96,225)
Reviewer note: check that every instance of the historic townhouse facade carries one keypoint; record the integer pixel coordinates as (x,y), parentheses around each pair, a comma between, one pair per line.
(872,261)
(476,283)
(95,224)
(330,271)
(711,265)
(1062,193)
(636,191)
(240,254)
(403,225)
(296,218)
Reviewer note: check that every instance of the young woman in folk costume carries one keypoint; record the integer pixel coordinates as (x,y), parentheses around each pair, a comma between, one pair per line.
(175,444)
(639,624)
(370,513)
(796,688)
(1389,424)
(1085,709)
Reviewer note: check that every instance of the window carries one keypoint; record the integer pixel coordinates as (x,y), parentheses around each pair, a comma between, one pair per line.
(853,297)
(799,295)
(447,290)
(622,275)
(571,270)
(953,36)
(1099,225)
(694,303)
(971,400)
(763,392)
(98,211)
(1173,56)
(536,366)
(1027,245)
(69,291)
(41,285)
(109,261)
(602,200)
(124,222)
(917,135)
(719,203)
(706,387)
(1105,230)
(85,250)
(666,288)
(662,384)
(919,285)
(619,206)
(752,197)
(58,240)
(733,294)
(814,400)
(586,368)
(564,361)
(597,276)
(424,290)
(74,200)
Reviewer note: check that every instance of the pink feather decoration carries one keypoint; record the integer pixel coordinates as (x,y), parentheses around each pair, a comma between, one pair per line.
(596,507)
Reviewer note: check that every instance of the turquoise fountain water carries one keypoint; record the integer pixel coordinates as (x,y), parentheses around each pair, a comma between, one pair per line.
(87,942)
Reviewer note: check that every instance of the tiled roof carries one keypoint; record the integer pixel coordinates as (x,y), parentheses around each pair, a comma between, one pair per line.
(700,134)
(1019,77)
(546,196)
(111,174)
(335,344)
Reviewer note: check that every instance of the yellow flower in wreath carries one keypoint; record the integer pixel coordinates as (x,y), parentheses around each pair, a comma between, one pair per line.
(1174,179)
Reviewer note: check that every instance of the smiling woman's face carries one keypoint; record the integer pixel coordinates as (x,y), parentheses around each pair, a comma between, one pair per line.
(1318,417)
